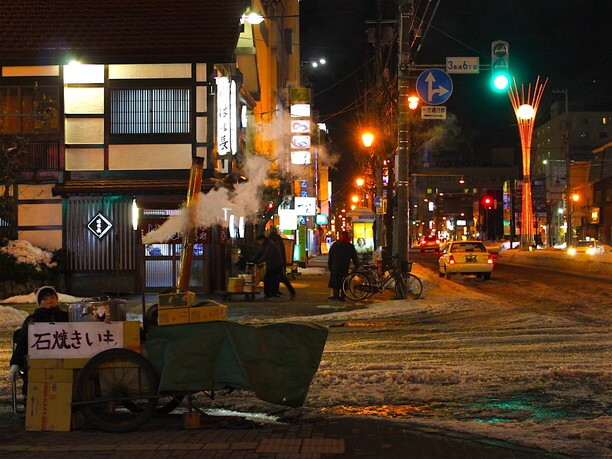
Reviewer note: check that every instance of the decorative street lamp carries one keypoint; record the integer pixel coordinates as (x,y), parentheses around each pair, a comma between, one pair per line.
(525,106)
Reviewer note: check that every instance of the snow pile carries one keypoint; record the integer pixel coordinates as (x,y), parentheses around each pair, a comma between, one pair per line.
(313,271)
(24,252)
(30,298)
(11,317)
(597,264)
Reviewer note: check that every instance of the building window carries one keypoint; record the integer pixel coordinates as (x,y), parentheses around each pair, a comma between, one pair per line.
(29,109)
(150,111)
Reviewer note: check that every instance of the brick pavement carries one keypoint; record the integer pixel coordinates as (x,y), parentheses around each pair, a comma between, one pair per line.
(327,437)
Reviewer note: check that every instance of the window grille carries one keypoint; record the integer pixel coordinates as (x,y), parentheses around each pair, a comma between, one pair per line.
(150,111)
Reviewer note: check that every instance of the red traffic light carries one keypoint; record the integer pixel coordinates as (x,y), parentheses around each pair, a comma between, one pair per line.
(487,201)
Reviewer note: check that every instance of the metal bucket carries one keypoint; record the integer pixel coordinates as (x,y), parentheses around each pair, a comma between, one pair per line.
(95,311)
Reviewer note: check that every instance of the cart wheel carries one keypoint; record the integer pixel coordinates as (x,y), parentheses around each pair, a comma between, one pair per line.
(117,390)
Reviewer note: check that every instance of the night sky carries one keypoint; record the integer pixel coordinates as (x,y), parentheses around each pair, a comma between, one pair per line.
(567,41)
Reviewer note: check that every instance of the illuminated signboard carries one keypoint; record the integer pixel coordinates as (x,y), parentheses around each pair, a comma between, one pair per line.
(300,141)
(300,111)
(300,126)
(300,157)
(306,206)
(227,133)
(99,225)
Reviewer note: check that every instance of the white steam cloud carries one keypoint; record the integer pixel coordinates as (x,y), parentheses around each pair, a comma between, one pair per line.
(243,201)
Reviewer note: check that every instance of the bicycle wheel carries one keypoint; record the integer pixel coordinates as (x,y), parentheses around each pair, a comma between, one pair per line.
(117,390)
(357,286)
(412,287)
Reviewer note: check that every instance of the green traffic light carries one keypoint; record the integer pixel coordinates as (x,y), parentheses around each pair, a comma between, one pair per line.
(501,82)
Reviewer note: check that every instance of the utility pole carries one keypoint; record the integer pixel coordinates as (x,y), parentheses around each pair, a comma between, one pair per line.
(568,168)
(401,239)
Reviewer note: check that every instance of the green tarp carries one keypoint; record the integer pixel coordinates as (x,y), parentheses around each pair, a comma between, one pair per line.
(276,361)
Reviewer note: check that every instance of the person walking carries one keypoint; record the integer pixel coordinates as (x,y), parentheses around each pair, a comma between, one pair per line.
(272,256)
(278,241)
(341,253)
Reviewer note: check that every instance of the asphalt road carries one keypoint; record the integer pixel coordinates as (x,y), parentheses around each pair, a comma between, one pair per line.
(532,286)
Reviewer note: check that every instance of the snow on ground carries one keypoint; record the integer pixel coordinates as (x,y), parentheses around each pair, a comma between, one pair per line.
(464,361)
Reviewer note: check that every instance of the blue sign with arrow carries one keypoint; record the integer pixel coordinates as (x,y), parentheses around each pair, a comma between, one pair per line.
(434,86)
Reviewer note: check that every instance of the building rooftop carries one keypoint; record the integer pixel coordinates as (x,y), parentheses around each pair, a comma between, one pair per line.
(117,31)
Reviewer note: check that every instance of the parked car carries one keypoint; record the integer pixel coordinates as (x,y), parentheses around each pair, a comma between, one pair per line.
(590,247)
(466,257)
(430,242)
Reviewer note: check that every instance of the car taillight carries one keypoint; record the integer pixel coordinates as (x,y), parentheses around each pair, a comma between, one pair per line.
(490,259)
(451,260)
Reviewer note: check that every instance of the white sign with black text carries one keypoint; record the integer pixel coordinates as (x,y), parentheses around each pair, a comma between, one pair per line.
(73,340)
(429,112)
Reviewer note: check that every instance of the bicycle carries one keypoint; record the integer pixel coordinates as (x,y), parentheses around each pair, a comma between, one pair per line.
(371,279)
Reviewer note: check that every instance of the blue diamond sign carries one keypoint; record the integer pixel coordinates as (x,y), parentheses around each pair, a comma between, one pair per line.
(434,86)
(99,225)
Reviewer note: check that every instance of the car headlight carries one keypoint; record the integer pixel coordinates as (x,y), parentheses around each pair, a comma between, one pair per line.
(571,251)
(591,251)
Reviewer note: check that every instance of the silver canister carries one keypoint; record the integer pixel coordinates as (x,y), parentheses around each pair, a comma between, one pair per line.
(97,311)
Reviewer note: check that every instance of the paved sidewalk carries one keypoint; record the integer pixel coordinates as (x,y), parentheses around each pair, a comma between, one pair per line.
(327,437)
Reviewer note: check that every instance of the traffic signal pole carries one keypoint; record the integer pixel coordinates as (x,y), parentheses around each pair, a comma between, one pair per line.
(401,236)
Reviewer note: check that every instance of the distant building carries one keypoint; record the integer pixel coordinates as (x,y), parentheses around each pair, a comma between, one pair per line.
(572,135)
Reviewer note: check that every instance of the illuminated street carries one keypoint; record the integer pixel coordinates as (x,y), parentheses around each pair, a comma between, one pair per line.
(522,358)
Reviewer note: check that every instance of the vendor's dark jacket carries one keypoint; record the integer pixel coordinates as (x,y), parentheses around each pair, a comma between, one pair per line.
(45,315)
(271,255)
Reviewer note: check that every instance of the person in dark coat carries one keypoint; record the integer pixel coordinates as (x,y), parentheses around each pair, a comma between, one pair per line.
(339,260)
(48,312)
(272,256)
(278,241)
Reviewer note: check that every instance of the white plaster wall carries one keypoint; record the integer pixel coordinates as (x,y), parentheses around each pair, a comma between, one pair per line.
(84,159)
(149,157)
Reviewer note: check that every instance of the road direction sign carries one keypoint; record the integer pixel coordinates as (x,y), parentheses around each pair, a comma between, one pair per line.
(463,65)
(434,86)
(429,112)
(380,204)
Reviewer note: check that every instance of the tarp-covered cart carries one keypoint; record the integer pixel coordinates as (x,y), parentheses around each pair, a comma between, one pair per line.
(119,389)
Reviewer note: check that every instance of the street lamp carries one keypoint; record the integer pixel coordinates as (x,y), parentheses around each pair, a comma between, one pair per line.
(252,17)
(525,106)
(307,65)
(367,138)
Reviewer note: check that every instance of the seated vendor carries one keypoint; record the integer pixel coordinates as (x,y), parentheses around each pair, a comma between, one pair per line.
(48,311)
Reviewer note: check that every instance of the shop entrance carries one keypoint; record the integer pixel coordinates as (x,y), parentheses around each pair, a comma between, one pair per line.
(162,260)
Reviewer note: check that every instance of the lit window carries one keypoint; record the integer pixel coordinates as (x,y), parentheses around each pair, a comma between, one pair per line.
(150,111)
(29,110)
